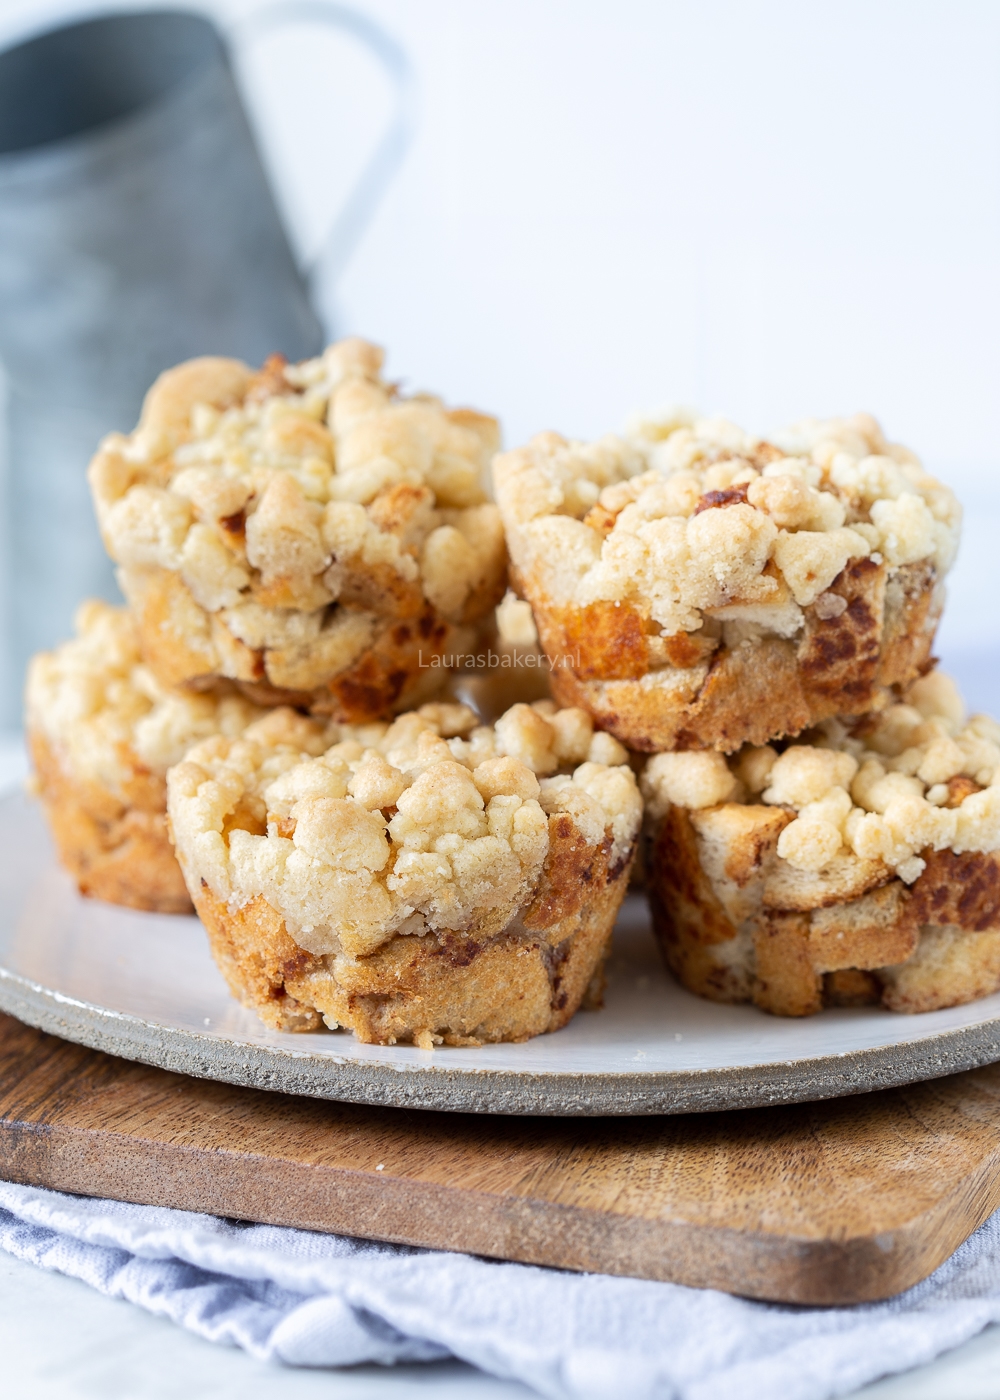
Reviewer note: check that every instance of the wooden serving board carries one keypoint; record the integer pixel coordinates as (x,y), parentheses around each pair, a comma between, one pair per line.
(843,1201)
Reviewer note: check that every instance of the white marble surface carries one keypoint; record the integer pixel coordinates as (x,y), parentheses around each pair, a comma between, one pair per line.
(61,1341)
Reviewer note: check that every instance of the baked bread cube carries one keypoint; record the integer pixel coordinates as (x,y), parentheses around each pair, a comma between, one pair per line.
(102,733)
(695,586)
(431,881)
(859,864)
(304,531)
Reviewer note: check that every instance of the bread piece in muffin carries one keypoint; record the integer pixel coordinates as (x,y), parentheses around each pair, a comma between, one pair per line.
(858,865)
(698,587)
(304,530)
(433,880)
(102,733)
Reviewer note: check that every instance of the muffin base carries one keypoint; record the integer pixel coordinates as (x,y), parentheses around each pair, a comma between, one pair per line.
(115,851)
(185,646)
(757,691)
(456,988)
(919,948)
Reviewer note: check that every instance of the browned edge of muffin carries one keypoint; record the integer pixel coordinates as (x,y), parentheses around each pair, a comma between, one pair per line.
(116,849)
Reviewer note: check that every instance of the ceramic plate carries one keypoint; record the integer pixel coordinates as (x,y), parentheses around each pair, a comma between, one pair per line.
(144,986)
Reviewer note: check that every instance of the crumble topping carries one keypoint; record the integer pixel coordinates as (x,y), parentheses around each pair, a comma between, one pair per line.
(357,833)
(515,622)
(918,775)
(695,521)
(287,491)
(104,712)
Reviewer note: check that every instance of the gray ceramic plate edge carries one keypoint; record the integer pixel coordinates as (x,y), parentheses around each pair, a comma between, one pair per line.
(492,1091)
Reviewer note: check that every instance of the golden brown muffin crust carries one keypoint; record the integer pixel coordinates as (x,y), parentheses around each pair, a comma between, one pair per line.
(447,988)
(114,851)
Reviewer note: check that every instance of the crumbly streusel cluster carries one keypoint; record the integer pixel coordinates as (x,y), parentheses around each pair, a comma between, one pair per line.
(694,519)
(917,777)
(355,835)
(106,715)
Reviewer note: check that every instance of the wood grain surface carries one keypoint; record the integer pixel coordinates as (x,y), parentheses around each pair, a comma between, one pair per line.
(836,1202)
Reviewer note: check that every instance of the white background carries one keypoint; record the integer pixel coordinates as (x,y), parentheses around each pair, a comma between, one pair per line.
(766,208)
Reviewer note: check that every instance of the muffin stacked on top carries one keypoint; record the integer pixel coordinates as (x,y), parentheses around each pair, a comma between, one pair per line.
(758,615)
(303,550)
(695,587)
(303,531)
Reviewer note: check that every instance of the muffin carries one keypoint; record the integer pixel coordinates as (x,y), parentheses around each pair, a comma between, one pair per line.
(506,667)
(858,865)
(698,587)
(431,881)
(102,733)
(304,531)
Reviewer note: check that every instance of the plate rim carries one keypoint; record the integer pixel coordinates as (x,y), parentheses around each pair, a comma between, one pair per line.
(528,1092)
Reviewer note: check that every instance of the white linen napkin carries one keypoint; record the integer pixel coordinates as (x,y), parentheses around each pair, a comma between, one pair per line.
(308,1299)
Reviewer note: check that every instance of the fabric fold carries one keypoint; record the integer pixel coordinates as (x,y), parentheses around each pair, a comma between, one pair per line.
(301,1298)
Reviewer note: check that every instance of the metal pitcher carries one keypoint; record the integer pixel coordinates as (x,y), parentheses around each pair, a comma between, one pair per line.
(137,228)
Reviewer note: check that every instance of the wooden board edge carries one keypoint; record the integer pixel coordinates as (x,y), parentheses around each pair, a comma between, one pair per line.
(277,1191)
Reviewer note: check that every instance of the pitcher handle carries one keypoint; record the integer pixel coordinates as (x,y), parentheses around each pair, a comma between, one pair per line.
(362,201)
